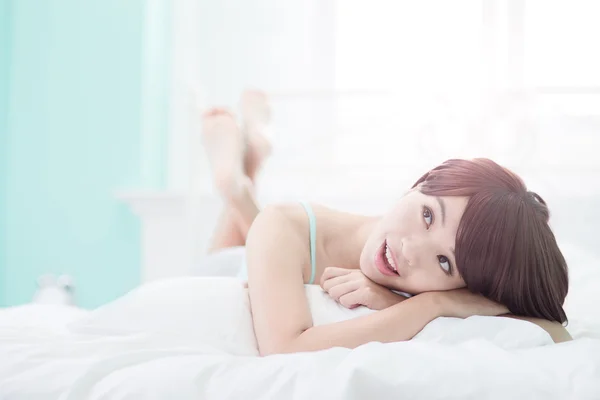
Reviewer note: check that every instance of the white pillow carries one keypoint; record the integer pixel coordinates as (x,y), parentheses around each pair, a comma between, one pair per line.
(216,311)
(505,332)
(581,304)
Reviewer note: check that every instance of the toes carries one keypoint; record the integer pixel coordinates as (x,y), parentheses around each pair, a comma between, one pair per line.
(217,111)
(210,112)
(253,93)
(256,112)
(217,120)
(254,99)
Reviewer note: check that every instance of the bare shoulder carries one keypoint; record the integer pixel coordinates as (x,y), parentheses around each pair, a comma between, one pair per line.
(328,219)
(336,232)
(292,214)
(557,332)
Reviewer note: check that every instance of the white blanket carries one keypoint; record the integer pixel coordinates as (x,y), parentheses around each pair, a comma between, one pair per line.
(49,359)
(216,311)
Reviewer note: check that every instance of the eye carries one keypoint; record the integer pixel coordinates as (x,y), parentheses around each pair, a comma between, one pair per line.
(427,216)
(445,264)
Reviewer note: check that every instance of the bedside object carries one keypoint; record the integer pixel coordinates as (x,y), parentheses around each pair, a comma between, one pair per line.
(52,290)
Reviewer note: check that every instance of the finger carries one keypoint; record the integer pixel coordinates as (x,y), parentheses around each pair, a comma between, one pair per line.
(338,291)
(352,299)
(331,272)
(336,280)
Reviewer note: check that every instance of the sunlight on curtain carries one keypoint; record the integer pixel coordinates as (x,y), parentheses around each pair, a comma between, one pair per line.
(369,95)
(421,82)
(562,40)
(561,61)
(415,63)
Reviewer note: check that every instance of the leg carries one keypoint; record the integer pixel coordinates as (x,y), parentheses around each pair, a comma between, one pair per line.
(230,231)
(227,234)
(256,115)
(224,143)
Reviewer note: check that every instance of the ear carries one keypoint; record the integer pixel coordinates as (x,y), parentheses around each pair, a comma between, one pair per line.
(66,282)
(45,280)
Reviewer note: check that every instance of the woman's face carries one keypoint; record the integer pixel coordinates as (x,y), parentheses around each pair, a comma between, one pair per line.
(411,248)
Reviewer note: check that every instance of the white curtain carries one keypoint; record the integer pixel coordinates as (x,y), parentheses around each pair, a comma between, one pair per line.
(515,81)
(369,95)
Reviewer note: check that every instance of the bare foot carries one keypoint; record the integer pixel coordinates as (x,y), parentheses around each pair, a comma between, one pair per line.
(224,144)
(256,115)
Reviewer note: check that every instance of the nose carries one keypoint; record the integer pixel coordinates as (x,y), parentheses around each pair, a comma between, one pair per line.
(412,250)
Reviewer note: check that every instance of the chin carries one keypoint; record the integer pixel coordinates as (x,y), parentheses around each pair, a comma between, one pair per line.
(371,272)
(368,269)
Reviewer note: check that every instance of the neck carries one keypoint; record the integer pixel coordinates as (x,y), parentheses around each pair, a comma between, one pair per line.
(364,231)
(347,245)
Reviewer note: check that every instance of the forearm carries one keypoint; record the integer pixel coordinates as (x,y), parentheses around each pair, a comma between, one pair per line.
(397,323)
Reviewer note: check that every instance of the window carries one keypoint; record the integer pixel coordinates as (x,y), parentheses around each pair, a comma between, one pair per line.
(561,41)
(399,66)
(364,91)
(434,79)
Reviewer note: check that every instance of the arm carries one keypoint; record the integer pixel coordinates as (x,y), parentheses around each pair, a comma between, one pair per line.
(278,265)
(394,324)
(351,288)
(276,255)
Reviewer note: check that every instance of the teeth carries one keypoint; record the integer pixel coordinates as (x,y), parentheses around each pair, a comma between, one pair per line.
(388,255)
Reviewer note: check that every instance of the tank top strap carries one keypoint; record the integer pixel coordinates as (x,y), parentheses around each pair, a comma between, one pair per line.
(312,232)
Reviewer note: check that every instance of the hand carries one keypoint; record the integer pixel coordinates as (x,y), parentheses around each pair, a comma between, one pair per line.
(351,288)
(461,303)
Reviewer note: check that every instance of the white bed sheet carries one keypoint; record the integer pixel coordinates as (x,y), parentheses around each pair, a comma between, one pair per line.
(41,359)
(45,361)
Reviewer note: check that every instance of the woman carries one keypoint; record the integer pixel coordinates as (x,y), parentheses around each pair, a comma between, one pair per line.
(465,224)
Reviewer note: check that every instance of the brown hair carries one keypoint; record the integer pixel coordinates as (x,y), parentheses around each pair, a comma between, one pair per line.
(505,249)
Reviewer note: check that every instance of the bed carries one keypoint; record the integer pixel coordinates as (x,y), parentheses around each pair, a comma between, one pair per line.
(43,357)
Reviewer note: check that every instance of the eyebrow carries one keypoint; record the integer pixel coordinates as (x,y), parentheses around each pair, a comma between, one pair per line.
(443,208)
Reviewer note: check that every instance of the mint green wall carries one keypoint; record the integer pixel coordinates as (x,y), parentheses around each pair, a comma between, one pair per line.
(4,73)
(74,139)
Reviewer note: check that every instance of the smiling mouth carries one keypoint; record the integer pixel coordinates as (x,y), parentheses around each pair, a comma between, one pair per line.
(389,258)
(385,261)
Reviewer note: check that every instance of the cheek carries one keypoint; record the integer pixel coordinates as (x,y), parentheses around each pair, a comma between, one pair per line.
(367,254)
(426,281)
(404,223)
